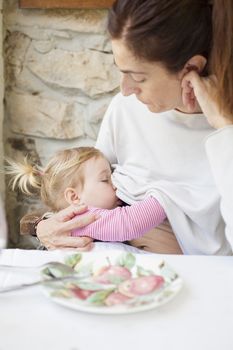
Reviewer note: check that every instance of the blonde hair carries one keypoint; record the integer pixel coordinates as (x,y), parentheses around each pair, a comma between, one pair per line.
(62,171)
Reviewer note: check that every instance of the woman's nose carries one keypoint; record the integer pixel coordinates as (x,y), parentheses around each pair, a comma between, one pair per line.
(128,87)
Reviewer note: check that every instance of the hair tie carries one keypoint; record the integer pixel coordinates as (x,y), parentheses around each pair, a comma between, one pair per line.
(207,3)
(39,173)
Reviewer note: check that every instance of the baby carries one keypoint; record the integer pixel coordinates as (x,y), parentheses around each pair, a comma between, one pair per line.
(83,175)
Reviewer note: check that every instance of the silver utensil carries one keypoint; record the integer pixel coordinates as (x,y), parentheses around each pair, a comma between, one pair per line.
(41,282)
(50,264)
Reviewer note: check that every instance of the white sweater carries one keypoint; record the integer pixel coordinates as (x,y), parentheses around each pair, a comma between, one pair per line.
(164,155)
(219,148)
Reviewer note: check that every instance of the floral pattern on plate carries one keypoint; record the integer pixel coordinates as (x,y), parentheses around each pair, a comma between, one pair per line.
(112,282)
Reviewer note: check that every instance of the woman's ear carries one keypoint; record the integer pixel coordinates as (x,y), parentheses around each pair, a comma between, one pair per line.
(196,63)
(71,195)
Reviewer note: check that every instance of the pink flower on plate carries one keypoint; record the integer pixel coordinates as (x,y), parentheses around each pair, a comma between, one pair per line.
(116,298)
(110,274)
(140,285)
(81,293)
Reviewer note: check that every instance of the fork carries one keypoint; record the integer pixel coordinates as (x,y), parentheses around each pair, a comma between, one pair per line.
(51,264)
(36,283)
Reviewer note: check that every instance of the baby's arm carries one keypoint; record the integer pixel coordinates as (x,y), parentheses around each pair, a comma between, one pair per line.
(124,223)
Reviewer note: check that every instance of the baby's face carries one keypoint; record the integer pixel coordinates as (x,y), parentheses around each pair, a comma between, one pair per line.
(98,190)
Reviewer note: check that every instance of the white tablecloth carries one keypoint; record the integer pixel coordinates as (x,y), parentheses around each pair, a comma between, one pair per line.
(200,317)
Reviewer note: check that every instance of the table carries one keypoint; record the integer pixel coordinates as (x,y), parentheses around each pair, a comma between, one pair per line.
(200,317)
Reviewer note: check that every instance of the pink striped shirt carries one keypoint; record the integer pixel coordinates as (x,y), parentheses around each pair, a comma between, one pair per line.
(124,223)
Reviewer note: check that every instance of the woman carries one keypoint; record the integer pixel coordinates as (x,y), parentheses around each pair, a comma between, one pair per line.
(163,49)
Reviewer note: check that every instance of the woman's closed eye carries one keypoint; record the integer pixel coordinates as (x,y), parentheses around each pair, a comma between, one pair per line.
(137,79)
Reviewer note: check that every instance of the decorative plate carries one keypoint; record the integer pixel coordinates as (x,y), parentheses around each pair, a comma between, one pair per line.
(112,282)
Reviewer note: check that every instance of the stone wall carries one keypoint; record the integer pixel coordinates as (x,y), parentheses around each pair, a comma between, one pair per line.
(59,80)
(1,103)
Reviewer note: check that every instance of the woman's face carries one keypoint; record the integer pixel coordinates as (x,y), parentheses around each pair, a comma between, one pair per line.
(151,82)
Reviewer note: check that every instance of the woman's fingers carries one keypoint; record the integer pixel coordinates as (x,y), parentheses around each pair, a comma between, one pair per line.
(87,248)
(204,91)
(70,212)
(77,222)
(191,86)
(55,232)
(79,243)
(192,81)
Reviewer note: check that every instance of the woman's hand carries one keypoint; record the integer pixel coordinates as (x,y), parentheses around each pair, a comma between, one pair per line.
(204,91)
(55,232)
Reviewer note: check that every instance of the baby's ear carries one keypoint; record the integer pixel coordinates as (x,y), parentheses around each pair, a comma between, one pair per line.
(71,196)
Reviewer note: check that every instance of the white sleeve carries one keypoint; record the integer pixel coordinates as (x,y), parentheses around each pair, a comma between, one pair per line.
(105,140)
(219,148)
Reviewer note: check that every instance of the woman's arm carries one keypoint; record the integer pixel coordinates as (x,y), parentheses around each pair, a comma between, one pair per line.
(219,148)
(124,223)
(219,145)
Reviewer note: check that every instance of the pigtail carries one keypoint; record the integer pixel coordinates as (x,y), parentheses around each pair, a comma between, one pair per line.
(25,176)
(222,53)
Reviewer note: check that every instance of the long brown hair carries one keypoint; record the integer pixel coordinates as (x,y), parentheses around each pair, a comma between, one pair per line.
(170,31)
(173,31)
(222,53)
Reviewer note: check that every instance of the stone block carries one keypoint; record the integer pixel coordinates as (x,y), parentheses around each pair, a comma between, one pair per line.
(15,48)
(41,117)
(89,71)
(84,21)
(48,147)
